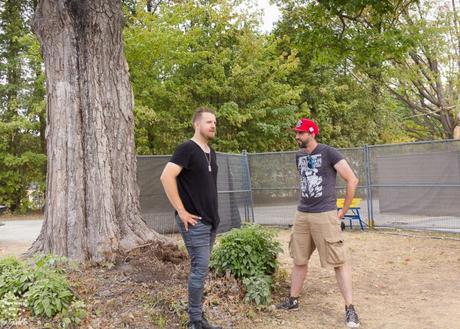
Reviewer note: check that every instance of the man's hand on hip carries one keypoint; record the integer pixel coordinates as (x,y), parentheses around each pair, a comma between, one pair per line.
(187,218)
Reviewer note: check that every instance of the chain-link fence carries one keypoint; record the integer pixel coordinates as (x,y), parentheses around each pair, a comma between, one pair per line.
(412,186)
(415,185)
(275,191)
(233,185)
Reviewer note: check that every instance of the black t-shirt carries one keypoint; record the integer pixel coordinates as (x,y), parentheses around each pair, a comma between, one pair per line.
(196,184)
(318,178)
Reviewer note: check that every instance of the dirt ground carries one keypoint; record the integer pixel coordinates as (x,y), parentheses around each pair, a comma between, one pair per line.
(8,248)
(30,216)
(401,279)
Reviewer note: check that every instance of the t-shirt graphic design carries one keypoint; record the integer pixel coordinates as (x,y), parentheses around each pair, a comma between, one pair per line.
(310,183)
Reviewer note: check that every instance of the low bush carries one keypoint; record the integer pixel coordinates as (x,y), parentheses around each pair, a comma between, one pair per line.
(41,286)
(258,289)
(49,295)
(15,277)
(249,254)
(10,304)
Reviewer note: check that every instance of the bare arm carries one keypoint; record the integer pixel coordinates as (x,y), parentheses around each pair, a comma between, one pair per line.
(345,171)
(168,179)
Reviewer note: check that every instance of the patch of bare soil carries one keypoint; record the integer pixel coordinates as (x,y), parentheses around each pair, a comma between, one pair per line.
(13,248)
(33,215)
(409,281)
(404,280)
(147,288)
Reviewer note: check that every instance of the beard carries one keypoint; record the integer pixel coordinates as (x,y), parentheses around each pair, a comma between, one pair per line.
(302,144)
(208,135)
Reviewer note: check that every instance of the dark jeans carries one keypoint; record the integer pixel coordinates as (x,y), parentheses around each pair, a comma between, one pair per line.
(199,240)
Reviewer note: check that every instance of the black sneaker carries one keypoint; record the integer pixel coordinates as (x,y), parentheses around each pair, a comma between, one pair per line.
(290,304)
(195,325)
(351,317)
(205,324)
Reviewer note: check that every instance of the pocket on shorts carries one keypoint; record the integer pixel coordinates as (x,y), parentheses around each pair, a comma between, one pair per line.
(335,251)
(334,219)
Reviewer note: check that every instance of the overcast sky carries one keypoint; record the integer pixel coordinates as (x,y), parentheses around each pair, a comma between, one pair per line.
(271,14)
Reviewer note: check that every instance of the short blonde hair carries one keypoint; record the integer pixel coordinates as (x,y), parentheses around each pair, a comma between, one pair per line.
(199,111)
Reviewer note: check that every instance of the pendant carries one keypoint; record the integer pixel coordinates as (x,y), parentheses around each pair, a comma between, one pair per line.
(209,168)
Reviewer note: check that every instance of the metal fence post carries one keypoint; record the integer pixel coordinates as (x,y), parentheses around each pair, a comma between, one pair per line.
(370,209)
(248,187)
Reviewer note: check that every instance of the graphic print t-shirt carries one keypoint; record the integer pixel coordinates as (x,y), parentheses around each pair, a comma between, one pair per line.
(318,178)
(196,184)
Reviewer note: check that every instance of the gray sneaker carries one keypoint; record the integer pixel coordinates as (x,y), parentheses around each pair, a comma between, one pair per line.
(351,317)
(289,304)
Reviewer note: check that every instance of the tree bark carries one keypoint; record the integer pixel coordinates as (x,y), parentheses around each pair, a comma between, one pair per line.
(456,133)
(92,207)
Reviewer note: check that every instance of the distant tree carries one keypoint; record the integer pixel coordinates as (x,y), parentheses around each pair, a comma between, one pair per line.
(190,53)
(350,107)
(427,78)
(407,50)
(22,159)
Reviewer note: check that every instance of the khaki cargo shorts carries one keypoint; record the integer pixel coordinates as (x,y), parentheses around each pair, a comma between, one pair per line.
(317,231)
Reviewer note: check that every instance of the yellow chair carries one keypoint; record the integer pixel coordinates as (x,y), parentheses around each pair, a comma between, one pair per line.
(355,208)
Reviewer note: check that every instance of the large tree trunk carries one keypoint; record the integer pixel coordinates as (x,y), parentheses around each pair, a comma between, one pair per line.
(92,207)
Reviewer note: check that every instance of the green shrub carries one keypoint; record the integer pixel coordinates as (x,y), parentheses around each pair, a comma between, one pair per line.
(56,264)
(15,277)
(249,254)
(74,314)
(7,263)
(9,308)
(258,289)
(41,286)
(49,295)
(246,252)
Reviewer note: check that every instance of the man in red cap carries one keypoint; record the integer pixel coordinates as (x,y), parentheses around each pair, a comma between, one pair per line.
(317,222)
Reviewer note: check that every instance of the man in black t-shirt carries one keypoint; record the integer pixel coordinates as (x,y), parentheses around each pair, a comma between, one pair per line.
(190,182)
(317,223)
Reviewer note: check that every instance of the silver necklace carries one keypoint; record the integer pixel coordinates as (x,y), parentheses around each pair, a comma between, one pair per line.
(208,160)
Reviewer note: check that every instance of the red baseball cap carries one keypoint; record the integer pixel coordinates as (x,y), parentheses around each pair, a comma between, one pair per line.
(306,125)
